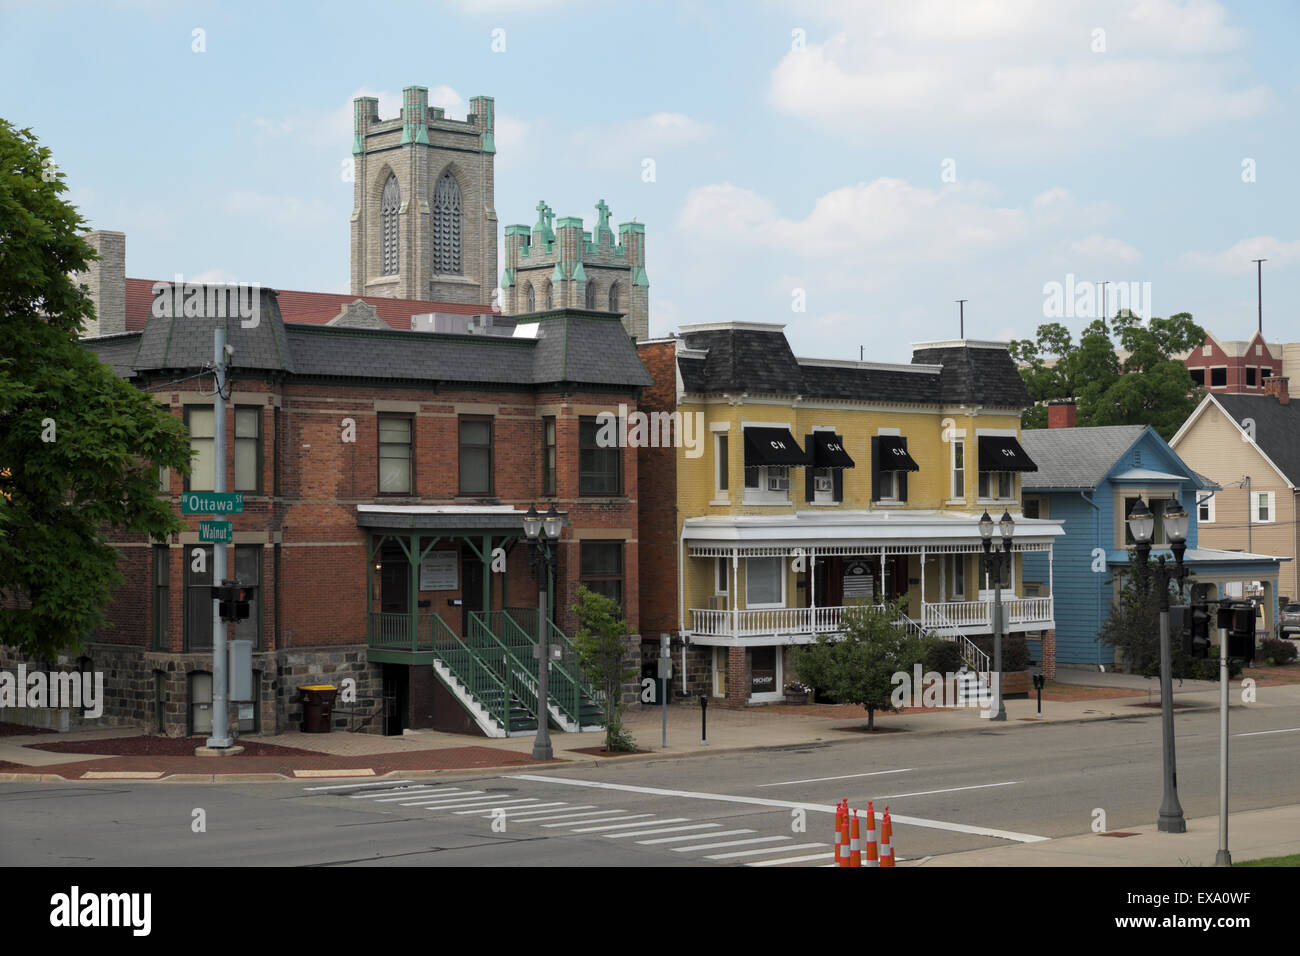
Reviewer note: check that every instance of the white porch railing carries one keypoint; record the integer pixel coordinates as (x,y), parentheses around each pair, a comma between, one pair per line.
(968,614)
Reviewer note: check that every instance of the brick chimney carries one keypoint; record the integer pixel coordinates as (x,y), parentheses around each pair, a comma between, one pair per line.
(1061,413)
(106,277)
(1276,385)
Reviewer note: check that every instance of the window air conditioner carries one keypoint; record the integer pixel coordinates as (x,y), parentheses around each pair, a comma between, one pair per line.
(718,602)
(823,484)
(778,484)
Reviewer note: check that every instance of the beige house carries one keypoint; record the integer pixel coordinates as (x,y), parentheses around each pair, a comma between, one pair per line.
(1250,446)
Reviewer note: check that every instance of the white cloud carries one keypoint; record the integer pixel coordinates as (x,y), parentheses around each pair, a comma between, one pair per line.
(1013,76)
(647,136)
(1239,257)
(1106,248)
(285,213)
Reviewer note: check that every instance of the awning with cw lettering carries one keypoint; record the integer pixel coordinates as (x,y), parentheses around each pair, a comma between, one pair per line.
(894,456)
(1003,453)
(828,451)
(772,446)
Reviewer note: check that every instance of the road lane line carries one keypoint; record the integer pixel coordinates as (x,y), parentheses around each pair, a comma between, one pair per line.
(624,826)
(1260,733)
(784,804)
(696,826)
(847,776)
(719,846)
(766,849)
(793,859)
(611,819)
(355,786)
(693,836)
(924,793)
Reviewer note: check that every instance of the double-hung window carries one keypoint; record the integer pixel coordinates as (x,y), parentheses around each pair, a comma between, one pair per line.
(602,568)
(958,468)
(548,456)
(199,420)
(395,456)
(248,449)
(764,582)
(476,456)
(600,467)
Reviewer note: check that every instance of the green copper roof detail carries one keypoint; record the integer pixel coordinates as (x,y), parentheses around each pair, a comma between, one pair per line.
(488,143)
(517,230)
(626,227)
(639,277)
(507,278)
(543,225)
(557,274)
(579,273)
(568,222)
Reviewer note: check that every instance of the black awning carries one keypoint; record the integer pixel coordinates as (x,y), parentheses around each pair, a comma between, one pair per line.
(772,446)
(1003,453)
(828,451)
(894,456)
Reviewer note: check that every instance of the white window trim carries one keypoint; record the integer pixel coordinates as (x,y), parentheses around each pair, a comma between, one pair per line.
(781,602)
(958,436)
(1207,500)
(760,496)
(779,692)
(721,496)
(1271,499)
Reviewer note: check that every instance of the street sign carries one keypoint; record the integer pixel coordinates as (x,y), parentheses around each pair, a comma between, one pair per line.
(216,532)
(212,503)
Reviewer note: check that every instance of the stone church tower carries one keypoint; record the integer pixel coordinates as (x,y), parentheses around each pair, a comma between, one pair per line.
(424,224)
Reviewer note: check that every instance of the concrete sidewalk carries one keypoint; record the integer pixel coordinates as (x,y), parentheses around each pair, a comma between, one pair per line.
(1252,835)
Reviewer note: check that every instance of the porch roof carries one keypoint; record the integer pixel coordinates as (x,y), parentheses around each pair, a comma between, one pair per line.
(486,518)
(1211,560)
(866,527)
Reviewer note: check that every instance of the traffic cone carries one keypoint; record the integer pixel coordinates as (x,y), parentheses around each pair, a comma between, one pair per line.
(839,813)
(855,843)
(872,859)
(886,841)
(845,845)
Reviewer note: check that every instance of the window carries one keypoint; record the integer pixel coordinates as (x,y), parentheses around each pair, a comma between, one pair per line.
(764,582)
(888,486)
(723,574)
(394,456)
(161,596)
(389,204)
(200,422)
(1007,569)
(602,568)
(589,299)
(1198,377)
(248,570)
(997,484)
(1261,507)
(550,300)
(613,297)
(1218,377)
(958,468)
(1265,372)
(1030,508)
(247,567)
(1207,350)
(532,300)
(248,449)
(1205,509)
(600,469)
(548,456)
(720,452)
(476,456)
(1157,508)
(1251,380)
(959,576)
(446,226)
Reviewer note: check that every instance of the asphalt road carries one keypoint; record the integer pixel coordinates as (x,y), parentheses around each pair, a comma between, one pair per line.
(948,793)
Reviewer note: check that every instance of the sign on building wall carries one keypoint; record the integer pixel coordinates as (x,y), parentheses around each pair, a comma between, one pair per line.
(438,571)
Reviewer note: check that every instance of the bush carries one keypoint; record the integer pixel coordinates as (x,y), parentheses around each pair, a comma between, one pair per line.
(1015,652)
(1279,651)
(942,657)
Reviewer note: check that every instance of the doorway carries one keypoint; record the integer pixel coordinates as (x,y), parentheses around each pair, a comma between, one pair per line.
(765,673)
(471,586)
(396,698)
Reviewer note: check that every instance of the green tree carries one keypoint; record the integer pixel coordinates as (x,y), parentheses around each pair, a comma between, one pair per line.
(858,667)
(79,447)
(603,657)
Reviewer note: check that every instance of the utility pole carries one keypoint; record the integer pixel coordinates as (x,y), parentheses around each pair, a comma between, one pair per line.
(961,312)
(220,738)
(1259,290)
(1104,311)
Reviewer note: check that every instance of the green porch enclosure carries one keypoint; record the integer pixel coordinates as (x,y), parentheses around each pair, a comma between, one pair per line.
(436,596)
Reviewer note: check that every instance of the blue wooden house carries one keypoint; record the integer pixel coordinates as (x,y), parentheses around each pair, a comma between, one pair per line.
(1089,479)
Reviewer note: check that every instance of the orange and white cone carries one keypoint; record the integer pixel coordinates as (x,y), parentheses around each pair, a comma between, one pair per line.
(855,843)
(886,841)
(872,859)
(839,814)
(845,845)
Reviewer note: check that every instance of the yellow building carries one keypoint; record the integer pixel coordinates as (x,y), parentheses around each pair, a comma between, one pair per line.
(813,485)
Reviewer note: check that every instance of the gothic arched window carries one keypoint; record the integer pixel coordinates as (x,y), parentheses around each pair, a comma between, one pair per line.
(388,207)
(446,226)
(550,298)
(532,300)
(591,295)
(613,297)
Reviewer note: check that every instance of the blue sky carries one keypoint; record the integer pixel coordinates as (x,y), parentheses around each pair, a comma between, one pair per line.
(796,146)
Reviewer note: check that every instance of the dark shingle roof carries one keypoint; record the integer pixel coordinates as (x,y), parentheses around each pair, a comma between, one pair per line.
(976,375)
(746,360)
(116,350)
(1075,458)
(1277,428)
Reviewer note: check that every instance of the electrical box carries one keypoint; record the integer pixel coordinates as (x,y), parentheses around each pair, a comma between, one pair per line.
(239,670)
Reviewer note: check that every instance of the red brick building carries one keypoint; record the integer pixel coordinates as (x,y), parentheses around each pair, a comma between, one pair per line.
(1237,368)
(385,474)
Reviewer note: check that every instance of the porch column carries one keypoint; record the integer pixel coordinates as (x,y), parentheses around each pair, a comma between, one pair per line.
(921,607)
(880,590)
(944,562)
(812,579)
(735,595)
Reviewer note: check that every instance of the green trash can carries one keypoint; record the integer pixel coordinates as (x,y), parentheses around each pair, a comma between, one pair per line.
(317,707)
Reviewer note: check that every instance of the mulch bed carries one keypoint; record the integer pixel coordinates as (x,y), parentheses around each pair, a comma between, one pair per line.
(19,730)
(164,747)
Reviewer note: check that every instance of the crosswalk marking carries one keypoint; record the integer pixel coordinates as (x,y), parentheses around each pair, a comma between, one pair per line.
(589,813)
(442,798)
(354,786)
(793,859)
(623,826)
(698,826)
(532,801)
(583,823)
(513,810)
(718,846)
(459,804)
(528,816)
(414,792)
(766,849)
(693,836)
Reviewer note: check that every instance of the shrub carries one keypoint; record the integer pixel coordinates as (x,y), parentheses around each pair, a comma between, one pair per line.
(1015,652)
(943,657)
(1279,651)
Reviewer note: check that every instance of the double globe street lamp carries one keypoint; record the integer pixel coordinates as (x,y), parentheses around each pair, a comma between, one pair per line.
(542,531)
(1141,523)
(994,559)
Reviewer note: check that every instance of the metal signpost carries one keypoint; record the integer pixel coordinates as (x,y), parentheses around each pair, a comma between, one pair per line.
(220,738)
(1223,857)
(665,676)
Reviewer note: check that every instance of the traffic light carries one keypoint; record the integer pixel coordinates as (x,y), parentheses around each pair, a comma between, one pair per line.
(1239,619)
(1198,631)
(234,599)
(1179,636)
(244,593)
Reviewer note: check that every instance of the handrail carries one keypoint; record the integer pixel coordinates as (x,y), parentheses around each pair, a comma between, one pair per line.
(970,651)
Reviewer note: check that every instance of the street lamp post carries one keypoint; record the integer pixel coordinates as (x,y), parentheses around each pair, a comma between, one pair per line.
(993,560)
(542,532)
(1141,523)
